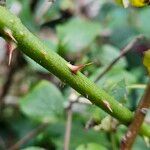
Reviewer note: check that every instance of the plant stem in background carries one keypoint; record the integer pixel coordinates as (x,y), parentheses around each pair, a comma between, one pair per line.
(37,50)
(29,136)
(68,128)
(15,66)
(127,48)
(139,116)
(132,44)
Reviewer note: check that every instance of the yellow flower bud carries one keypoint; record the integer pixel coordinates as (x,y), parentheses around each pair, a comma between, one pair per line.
(146,60)
(135,3)
(139,3)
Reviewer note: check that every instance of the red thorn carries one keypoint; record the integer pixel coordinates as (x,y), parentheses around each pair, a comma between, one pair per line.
(106,103)
(9,34)
(10,58)
(10,47)
(74,69)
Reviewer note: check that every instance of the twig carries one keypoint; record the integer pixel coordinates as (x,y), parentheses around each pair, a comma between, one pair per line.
(6,86)
(2,143)
(68,128)
(9,77)
(17,63)
(127,48)
(69,122)
(29,136)
(133,43)
(134,127)
(37,50)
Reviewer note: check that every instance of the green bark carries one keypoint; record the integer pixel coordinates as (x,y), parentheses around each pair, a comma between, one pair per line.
(35,49)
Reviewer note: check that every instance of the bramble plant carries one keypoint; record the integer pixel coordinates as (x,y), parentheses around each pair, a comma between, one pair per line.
(112,83)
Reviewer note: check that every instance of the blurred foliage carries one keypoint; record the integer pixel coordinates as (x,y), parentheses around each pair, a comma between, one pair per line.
(81,32)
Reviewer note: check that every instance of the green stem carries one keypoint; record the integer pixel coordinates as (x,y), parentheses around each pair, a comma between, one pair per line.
(35,49)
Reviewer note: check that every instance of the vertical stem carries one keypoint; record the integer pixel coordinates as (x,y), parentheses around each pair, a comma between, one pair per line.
(29,136)
(125,50)
(139,116)
(68,128)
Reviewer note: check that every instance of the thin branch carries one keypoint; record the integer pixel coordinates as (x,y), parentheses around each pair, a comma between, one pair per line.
(2,143)
(17,63)
(29,136)
(9,77)
(68,128)
(37,50)
(69,122)
(6,86)
(132,44)
(125,50)
(134,127)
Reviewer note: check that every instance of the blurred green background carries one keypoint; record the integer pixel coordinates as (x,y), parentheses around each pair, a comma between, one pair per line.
(81,31)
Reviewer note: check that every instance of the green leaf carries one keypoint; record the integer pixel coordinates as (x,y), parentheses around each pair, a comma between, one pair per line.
(67,4)
(77,34)
(108,53)
(33,148)
(91,146)
(119,91)
(144,21)
(113,76)
(140,144)
(78,135)
(27,17)
(51,14)
(44,102)
(96,113)
(119,17)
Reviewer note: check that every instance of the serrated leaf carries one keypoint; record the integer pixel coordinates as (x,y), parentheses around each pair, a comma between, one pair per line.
(113,76)
(140,144)
(91,146)
(96,113)
(104,56)
(144,22)
(78,135)
(43,102)
(27,17)
(33,148)
(119,91)
(78,33)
